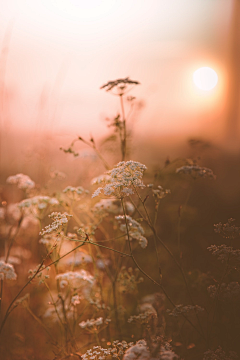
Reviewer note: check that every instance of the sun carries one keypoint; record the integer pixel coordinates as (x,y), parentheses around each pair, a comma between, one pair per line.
(205,78)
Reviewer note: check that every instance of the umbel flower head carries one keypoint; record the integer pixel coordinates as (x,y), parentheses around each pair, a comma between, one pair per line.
(7,271)
(59,221)
(134,228)
(22,181)
(196,171)
(121,86)
(122,179)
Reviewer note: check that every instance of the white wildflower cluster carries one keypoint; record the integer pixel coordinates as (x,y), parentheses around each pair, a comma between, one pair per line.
(228,230)
(59,221)
(75,300)
(97,353)
(78,258)
(88,229)
(38,203)
(143,318)
(135,230)
(220,354)
(183,310)
(75,192)
(7,271)
(128,279)
(225,254)
(226,293)
(160,193)
(22,181)
(39,272)
(93,323)
(14,260)
(166,353)
(50,239)
(138,352)
(72,278)
(98,303)
(104,178)
(117,350)
(122,180)
(113,206)
(196,171)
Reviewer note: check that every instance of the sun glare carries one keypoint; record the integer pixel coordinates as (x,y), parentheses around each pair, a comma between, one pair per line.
(205,78)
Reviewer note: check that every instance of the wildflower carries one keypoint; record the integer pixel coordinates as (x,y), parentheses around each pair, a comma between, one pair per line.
(113,206)
(144,317)
(196,171)
(7,271)
(128,280)
(50,239)
(91,323)
(37,204)
(12,260)
(135,230)
(226,253)
(166,353)
(122,180)
(78,258)
(138,351)
(100,179)
(226,292)
(22,181)
(75,300)
(228,230)
(60,220)
(160,193)
(71,190)
(71,277)
(97,353)
(120,85)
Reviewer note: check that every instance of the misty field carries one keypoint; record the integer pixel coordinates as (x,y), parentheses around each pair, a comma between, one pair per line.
(121,252)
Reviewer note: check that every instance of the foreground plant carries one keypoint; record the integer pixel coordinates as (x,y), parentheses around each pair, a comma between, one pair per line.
(93,264)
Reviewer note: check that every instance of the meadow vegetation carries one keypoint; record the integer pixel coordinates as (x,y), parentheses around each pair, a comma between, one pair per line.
(140,261)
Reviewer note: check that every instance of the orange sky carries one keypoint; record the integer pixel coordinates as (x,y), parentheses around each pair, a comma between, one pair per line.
(61,51)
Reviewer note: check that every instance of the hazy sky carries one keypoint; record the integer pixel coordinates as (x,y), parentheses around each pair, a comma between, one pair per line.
(61,51)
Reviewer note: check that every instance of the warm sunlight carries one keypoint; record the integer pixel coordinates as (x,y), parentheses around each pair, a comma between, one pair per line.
(205,78)
(119,181)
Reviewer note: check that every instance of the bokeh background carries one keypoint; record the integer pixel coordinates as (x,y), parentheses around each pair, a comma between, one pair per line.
(55,55)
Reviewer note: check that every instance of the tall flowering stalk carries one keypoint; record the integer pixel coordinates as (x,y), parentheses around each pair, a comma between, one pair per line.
(121,87)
